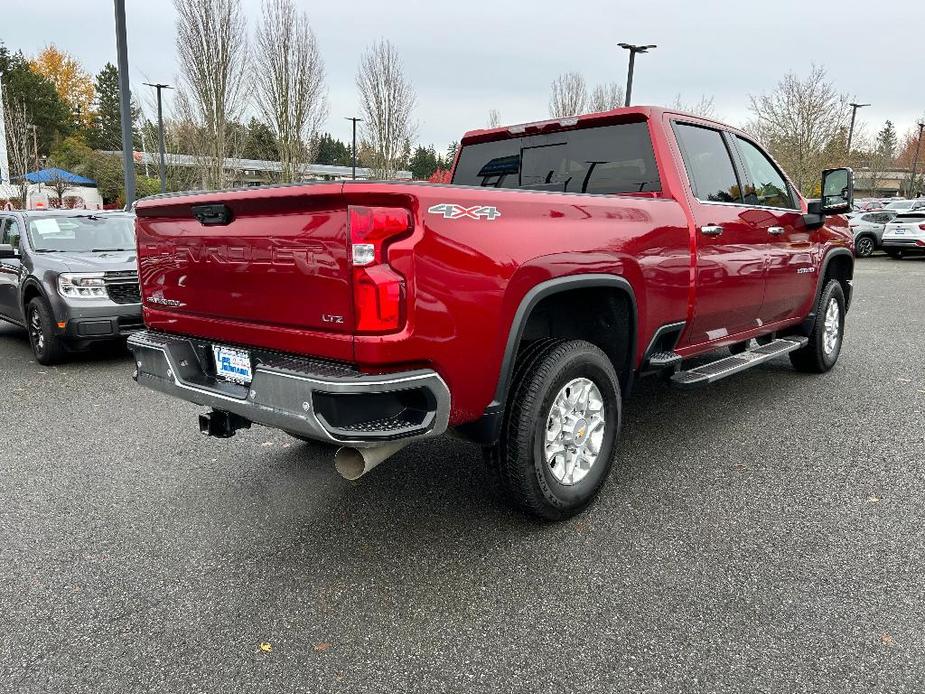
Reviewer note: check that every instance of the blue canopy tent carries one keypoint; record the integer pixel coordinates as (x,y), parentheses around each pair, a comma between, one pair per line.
(53,175)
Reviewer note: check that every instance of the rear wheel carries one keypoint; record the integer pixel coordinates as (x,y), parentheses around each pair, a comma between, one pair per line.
(560,429)
(47,346)
(864,246)
(821,352)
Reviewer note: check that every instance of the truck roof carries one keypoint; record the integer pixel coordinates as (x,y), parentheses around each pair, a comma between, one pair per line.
(580,121)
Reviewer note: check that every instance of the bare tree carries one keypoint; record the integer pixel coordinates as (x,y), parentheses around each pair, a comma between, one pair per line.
(803,123)
(289,82)
(19,143)
(60,185)
(212,51)
(703,108)
(606,97)
(569,95)
(494,118)
(388,102)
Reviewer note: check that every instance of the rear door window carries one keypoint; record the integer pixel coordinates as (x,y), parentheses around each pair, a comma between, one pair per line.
(708,163)
(606,160)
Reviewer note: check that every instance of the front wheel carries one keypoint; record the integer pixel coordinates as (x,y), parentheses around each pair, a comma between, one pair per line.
(47,346)
(560,429)
(825,341)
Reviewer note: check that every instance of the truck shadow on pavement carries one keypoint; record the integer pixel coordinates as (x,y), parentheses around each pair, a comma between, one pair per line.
(428,512)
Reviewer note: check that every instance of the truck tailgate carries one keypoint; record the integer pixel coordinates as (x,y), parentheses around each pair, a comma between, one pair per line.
(272,261)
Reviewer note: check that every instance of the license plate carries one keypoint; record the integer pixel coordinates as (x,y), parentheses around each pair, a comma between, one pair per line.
(899,230)
(232,364)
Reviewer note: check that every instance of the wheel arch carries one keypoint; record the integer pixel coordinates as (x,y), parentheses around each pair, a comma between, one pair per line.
(552,295)
(837,264)
(30,290)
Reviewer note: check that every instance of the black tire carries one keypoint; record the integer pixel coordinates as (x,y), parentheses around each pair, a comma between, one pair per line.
(518,461)
(864,246)
(47,346)
(815,357)
(894,253)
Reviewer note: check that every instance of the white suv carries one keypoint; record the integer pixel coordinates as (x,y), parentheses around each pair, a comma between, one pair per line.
(905,234)
(868,228)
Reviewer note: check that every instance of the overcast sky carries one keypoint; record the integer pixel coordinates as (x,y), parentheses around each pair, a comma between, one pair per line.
(465,58)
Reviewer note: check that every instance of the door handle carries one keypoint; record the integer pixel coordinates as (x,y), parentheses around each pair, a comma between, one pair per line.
(776,231)
(711,230)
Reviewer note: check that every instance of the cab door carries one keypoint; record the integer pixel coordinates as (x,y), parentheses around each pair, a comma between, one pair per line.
(774,211)
(732,252)
(10,270)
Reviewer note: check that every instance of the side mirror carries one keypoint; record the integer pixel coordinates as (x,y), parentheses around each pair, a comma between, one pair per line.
(7,251)
(837,191)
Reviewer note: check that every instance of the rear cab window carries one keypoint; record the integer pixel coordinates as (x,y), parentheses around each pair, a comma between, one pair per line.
(604,160)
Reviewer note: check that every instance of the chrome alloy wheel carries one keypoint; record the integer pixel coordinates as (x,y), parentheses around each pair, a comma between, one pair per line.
(35,330)
(574,431)
(832,333)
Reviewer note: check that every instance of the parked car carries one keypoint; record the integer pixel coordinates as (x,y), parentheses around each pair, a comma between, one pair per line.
(905,234)
(516,306)
(899,205)
(868,231)
(69,277)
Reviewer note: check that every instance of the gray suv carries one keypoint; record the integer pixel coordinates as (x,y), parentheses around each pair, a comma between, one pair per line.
(69,278)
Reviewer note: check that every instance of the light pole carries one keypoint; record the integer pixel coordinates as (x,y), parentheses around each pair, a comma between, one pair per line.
(633,49)
(854,110)
(355,121)
(915,160)
(125,104)
(161,165)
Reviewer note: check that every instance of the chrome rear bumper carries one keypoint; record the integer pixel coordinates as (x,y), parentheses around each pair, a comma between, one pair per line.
(317,399)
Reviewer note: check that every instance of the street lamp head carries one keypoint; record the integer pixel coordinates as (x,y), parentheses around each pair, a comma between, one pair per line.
(853,105)
(637,48)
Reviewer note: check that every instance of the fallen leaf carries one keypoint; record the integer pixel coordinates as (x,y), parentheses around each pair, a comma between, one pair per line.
(322,647)
(266,647)
(267,443)
(887,640)
(904,380)
(873,499)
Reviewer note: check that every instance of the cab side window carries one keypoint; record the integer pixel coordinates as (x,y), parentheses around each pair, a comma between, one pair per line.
(9,232)
(768,187)
(708,163)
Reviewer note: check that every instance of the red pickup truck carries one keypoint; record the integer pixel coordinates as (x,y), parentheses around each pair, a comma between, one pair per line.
(514,307)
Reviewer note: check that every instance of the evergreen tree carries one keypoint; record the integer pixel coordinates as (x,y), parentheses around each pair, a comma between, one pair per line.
(424,162)
(450,155)
(332,152)
(887,142)
(259,142)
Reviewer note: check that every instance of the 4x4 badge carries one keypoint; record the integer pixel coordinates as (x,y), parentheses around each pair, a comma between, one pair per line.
(452,211)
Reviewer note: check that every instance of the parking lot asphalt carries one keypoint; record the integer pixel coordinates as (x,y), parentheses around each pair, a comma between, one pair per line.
(764,534)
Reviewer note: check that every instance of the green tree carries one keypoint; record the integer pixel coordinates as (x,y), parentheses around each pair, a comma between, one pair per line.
(424,162)
(52,117)
(887,142)
(331,152)
(106,131)
(259,142)
(450,155)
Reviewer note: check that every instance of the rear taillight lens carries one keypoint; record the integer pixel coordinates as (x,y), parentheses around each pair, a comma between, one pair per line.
(922,227)
(378,289)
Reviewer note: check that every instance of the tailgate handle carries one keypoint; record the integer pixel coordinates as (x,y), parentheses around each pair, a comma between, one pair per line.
(213,215)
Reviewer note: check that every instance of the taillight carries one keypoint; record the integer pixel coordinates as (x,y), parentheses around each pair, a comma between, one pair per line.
(922,227)
(377,288)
